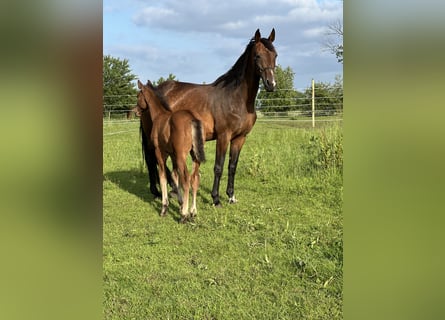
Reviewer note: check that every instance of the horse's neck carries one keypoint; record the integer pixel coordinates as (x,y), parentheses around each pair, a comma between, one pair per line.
(253,88)
(155,107)
(251,84)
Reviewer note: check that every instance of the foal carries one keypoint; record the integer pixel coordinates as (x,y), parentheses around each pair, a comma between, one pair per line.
(174,134)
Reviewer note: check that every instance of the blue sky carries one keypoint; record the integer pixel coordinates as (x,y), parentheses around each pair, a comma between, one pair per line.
(198,40)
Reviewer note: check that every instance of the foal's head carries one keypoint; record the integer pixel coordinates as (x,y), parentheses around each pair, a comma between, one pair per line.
(142,99)
(265,57)
(149,94)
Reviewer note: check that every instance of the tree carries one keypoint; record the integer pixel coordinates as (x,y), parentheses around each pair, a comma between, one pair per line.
(283,98)
(334,41)
(171,76)
(118,90)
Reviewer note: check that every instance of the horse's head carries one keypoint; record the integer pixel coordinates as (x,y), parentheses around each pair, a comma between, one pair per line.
(149,98)
(265,58)
(142,97)
(142,104)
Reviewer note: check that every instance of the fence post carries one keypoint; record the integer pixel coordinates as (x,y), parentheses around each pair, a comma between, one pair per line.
(313,103)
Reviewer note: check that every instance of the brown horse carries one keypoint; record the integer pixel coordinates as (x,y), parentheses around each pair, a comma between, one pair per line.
(174,134)
(226,108)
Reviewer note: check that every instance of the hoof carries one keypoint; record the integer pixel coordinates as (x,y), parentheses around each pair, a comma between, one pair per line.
(156,194)
(173,194)
(184,220)
(164,211)
(217,205)
(232,200)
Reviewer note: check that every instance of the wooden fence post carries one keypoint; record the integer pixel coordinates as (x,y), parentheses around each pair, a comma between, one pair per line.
(313,103)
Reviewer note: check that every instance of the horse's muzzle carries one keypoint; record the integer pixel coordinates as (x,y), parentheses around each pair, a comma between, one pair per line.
(270,86)
(268,77)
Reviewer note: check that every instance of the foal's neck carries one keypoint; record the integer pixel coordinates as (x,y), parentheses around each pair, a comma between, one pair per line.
(155,106)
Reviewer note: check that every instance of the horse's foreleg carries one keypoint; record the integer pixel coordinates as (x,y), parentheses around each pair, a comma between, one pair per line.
(235,149)
(148,150)
(153,176)
(221,148)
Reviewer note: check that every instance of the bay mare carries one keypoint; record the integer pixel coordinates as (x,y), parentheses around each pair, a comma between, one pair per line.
(174,134)
(225,107)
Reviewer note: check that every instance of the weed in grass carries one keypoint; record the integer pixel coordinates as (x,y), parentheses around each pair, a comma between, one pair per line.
(324,150)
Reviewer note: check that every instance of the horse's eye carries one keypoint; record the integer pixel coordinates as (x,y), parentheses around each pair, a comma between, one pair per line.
(257,57)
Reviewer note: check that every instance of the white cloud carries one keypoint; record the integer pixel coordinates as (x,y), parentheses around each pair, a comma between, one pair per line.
(233,25)
(206,37)
(150,15)
(315,32)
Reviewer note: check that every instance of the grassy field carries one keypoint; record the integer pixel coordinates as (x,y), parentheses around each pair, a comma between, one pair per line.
(276,254)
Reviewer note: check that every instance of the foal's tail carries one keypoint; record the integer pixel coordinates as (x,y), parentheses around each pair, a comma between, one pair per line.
(198,141)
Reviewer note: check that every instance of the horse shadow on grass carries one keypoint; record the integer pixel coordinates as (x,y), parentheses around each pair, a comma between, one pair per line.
(136,183)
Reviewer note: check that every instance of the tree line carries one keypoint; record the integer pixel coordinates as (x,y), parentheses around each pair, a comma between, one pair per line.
(119,90)
(328,96)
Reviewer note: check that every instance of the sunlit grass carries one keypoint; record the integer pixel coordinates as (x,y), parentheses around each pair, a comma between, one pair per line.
(276,254)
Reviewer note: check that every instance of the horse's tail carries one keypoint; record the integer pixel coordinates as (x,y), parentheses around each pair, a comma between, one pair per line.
(198,141)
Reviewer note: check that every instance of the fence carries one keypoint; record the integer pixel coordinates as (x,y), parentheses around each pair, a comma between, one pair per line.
(118,115)
(317,109)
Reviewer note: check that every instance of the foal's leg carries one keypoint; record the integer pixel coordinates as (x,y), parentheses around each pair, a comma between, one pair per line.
(162,181)
(194,181)
(221,148)
(171,182)
(184,180)
(235,149)
(176,191)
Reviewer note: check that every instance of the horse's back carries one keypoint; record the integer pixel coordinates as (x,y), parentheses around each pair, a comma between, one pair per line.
(221,109)
(176,93)
(195,98)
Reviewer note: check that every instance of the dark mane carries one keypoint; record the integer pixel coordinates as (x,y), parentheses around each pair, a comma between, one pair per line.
(236,73)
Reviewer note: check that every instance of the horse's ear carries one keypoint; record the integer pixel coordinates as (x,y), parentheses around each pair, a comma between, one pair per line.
(140,84)
(257,35)
(272,35)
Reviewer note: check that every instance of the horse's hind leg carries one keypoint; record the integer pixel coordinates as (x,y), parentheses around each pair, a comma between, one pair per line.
(172,182)
(194,181)
(184,179)
(177,191)
(163,182)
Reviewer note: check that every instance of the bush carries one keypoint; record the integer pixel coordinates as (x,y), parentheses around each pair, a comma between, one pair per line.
(324,150)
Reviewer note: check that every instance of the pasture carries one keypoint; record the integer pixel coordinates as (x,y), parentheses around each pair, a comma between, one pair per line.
(276,254)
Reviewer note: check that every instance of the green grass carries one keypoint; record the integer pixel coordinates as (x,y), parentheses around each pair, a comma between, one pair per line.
(276,254)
